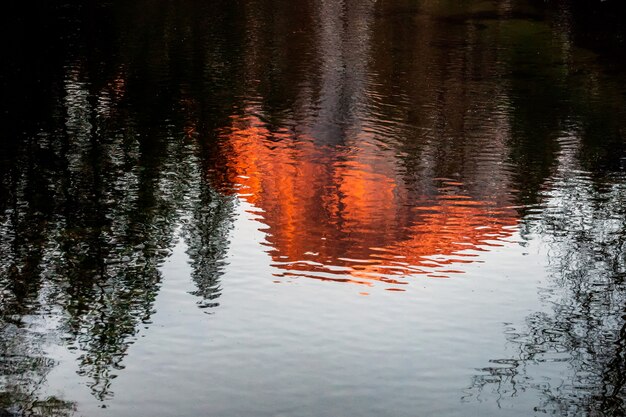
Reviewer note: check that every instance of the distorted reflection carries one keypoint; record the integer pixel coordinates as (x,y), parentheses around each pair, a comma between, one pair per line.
(372,142)
(345,213)
(24,366)
(84,242)
(570,358)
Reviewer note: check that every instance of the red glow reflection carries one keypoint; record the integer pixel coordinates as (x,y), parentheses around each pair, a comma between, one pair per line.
(344,213)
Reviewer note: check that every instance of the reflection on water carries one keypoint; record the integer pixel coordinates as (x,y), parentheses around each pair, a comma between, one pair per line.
(345,213)
(84,242)
(572,355)
(368,142)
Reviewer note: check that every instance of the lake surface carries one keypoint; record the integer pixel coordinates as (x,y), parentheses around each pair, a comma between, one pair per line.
(313,208)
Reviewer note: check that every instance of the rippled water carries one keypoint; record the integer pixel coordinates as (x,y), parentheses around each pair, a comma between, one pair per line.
(313,208)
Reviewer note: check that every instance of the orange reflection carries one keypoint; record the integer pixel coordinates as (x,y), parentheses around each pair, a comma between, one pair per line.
(345,214)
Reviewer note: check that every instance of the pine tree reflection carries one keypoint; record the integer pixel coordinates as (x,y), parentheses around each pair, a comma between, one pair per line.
(24,230)
(570,358)
(206,235)
(23,370)
(93,198)
(581,339)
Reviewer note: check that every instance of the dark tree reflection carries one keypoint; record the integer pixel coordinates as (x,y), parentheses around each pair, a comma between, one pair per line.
(581,338)
(99,187)
(24,366)
(571,357)
(206,234)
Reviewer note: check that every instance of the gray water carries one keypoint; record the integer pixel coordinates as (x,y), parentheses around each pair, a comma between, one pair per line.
(313,208)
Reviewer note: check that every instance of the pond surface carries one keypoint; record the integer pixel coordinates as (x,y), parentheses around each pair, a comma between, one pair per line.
(312,208)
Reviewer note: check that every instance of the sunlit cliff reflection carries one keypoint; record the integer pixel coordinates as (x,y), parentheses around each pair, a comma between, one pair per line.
(344,213)
(372,169)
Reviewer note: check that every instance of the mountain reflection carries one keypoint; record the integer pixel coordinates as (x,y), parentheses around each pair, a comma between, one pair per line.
(374,170)
(344,213)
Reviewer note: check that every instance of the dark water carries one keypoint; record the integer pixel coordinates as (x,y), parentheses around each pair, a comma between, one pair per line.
(313,208)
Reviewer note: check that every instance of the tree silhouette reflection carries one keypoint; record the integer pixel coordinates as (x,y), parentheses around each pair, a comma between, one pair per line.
(581,338)
(93,198)
(569,358)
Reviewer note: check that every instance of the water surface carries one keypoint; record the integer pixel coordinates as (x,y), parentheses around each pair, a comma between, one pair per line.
(313,208)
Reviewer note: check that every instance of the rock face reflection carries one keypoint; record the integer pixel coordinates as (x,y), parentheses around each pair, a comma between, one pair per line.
(347,214)
(376,143)
(352,183)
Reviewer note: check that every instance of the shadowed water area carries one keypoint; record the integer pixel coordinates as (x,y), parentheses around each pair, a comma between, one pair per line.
(313,208)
